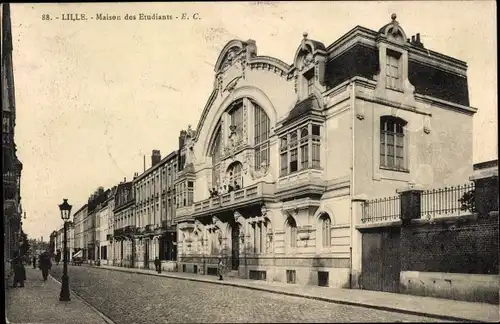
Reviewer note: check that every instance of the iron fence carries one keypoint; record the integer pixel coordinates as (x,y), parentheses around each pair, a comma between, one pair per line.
(447,201)
(381,209)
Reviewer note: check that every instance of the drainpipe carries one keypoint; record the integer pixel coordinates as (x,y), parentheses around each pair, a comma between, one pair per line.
(351,186)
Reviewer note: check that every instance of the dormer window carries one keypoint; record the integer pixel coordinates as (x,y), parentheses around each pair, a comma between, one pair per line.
(393,70)
(309,77)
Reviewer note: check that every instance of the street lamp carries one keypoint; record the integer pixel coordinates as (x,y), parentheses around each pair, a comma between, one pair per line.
(65,214)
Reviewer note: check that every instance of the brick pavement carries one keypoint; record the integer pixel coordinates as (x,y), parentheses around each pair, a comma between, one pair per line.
(38,302)
(416,305)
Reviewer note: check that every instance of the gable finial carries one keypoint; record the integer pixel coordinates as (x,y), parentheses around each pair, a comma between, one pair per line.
(394,16)
(305,34)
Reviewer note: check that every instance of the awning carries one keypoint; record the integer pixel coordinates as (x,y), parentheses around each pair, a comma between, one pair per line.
(78,254)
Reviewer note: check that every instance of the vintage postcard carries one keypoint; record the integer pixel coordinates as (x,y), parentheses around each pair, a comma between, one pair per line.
(253,161)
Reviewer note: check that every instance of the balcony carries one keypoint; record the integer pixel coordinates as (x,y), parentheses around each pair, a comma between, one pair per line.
(308,182)
(255,193)
(182,212)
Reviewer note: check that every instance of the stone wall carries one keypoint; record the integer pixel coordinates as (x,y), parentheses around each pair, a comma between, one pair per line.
(466,244)
(452,257)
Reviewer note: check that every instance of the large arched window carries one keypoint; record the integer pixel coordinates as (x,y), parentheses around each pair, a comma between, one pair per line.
(291,232)
(235,177)
(216,150)
(261,139)
(236,115)
(326,230)
(392,143)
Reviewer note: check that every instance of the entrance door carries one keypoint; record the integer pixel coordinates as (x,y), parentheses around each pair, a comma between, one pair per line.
(381,260)
(146,253)
(235,250)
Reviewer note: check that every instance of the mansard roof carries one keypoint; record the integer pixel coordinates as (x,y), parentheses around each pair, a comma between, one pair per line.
(303,108)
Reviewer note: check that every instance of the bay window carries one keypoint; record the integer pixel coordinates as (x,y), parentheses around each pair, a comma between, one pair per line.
(300,149)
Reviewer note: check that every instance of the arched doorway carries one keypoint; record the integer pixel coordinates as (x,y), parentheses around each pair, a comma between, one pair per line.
(235,246)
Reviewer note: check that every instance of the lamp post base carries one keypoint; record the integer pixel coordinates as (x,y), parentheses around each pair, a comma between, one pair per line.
(64,296)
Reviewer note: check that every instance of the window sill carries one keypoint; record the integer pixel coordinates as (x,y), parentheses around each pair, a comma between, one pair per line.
(395,170)
(395,89)
(300,171)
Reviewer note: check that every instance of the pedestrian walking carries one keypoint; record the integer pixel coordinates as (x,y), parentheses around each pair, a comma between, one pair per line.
(34,262)
(220,269)
(158,265)
(19,272)
(45,264)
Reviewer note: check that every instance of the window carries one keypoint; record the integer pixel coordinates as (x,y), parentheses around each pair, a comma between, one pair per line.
(291,232)
(293,152)
(392,140)
(216,160)
(284,156)
(261,128)
(326,234)
(309,76)
(300,149)
(236,115)
(190,192)
(393,71)
(304,148)
(235,178)
(316,147)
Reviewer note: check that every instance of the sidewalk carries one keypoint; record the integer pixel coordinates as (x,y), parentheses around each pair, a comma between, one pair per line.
(415,305)
(38,302)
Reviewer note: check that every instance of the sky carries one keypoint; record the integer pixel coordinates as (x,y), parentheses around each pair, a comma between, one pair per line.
(94,97)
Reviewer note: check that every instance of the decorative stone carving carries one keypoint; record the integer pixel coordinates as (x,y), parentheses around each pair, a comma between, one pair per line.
(304,232)
(220,84)
(236,215)
(230,58)
(232,85)
(245,118)
(263,210)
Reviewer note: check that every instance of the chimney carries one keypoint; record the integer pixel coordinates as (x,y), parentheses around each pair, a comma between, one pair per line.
(418,38)
(413,39)
(155,157)
(124,179)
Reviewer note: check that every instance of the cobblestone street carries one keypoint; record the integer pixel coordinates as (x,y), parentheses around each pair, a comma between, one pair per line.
(135,298)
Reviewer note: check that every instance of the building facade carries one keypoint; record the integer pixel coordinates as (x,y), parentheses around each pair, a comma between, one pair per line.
(11,166)
(124,225)
(91,223)
(103,216)
(110,227)
(155,201)
(270,181)
(78,219)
